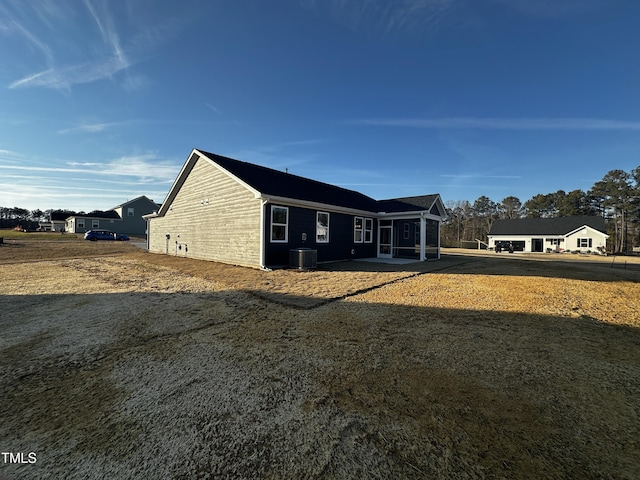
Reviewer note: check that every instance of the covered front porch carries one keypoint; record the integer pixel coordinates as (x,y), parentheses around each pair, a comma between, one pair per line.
(409,236)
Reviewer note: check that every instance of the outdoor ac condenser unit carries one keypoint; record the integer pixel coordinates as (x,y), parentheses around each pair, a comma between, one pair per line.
(303,258)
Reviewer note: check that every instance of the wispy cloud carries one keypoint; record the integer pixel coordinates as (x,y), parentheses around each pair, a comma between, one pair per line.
(32,39)
(109,33)
(292,143)
(213,108)
(91,127)
(471,176)
(553,8)
(45,194)
(108,42)
(502,123)
(145,168)
(385,16)
(433,16)
(9,156)
(280,155)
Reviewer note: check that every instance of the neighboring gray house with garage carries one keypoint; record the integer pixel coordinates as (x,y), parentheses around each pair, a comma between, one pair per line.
(582,234)
(236,212)
(125,218)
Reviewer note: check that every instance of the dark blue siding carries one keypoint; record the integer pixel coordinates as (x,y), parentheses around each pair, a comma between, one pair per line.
(303,220)
(406,247)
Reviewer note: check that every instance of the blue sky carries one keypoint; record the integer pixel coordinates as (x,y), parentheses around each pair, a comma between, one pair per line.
(102,101)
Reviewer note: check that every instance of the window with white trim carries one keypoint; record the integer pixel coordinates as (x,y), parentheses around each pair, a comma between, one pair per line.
(584,243)
(322,227)
(279,224)
(95,223)
(368,230)
(358,229)
(130,212)
(80,223)
(405,235)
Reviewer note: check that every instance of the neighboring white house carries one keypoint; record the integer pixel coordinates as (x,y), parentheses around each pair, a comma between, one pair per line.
(56,222)
(583,234)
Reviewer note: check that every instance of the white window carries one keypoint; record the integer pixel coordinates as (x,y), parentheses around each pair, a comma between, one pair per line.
(406,231)
(358,228)
(555,241)
(279,224)
(584,243)
(322,227)
(95,223)
(130,212)
(368,230)
(81,223)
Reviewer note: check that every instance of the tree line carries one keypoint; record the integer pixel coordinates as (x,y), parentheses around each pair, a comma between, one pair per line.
(616,198)
(11,217)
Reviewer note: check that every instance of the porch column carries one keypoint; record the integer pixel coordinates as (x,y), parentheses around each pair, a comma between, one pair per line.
(438,239)
(423,238)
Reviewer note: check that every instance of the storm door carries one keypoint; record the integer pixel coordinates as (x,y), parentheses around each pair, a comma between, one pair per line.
(385,238)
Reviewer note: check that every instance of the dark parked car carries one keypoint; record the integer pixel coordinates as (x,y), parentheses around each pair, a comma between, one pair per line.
(505,246)
(94,235)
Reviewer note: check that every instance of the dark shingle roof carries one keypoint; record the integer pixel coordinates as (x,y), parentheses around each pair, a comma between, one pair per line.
(544,226)
(97,214)
(135,200)
(268,181)
(273,182)
(407,204)
(61,216)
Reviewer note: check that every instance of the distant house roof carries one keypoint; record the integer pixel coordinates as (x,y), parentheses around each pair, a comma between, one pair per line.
(60,216)
(545,226)
(97,214)
(135,200)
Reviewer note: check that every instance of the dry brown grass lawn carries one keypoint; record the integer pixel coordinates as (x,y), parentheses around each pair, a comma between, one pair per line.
(120,363)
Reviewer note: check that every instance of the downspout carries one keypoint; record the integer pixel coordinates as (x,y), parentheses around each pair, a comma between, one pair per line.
(263,245)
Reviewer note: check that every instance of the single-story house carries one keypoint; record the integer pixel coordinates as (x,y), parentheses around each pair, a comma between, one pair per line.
(236,212)
(125,218)
(579,233)
(98,220)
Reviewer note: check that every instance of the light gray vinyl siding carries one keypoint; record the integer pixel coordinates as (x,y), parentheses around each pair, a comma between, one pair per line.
(212,217)
(73,225)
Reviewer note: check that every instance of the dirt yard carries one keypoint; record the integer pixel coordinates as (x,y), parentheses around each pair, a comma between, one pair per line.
(116,363)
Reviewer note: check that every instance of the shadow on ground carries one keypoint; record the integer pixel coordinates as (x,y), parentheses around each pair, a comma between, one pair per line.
(181,385)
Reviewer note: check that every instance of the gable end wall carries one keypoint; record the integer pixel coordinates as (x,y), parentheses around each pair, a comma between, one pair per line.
(212,217)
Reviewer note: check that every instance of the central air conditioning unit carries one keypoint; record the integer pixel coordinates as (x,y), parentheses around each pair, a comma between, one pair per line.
(303,258)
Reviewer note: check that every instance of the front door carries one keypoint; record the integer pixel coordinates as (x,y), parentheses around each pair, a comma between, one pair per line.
(385,236)
(536,244)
